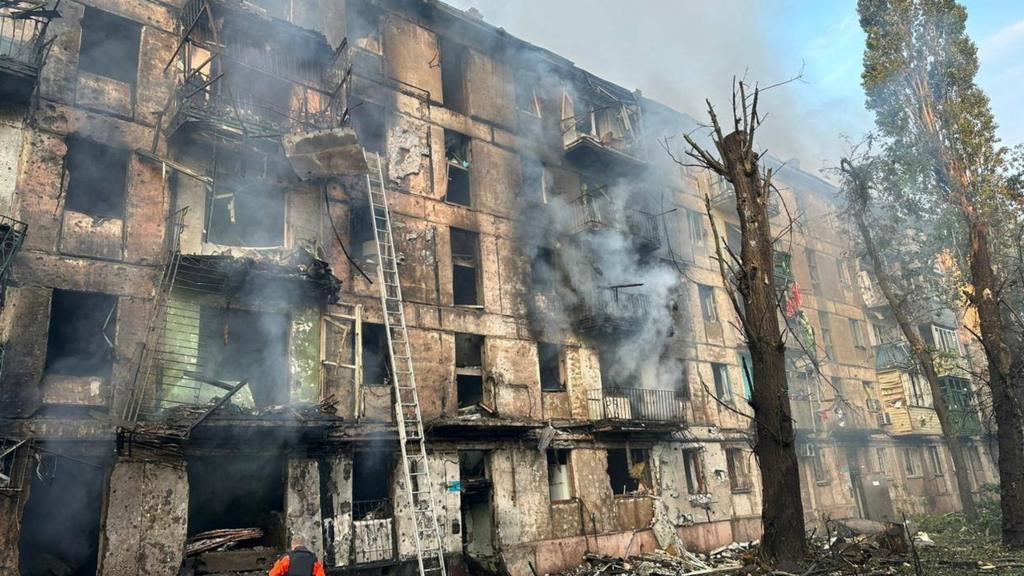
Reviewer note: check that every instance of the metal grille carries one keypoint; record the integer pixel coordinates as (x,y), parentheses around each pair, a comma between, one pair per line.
(373,531)
(612,309)
(594,210)
(22,32)
(636,404)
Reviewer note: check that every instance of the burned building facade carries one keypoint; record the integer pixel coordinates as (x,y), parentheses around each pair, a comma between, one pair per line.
(197,334)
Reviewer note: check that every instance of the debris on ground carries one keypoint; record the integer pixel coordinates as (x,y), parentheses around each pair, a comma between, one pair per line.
(219,539)
(657,563)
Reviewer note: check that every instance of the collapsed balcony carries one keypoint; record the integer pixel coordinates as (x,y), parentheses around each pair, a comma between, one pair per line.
(22,38)
(601,124)
(636,404)
(245,75)
(594,211)
(611,312)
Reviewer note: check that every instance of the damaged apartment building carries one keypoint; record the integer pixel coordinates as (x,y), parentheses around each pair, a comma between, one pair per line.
(254,250)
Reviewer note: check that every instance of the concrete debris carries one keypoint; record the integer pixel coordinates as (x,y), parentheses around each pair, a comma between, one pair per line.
(922,539)
(657,563)
(217,539)
(324,153)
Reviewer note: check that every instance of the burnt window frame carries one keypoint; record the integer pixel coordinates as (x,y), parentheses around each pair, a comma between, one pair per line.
(97,174)
(366,351)
(693,470)
(558,455)
(632,486)
(555,353)
(95,59)
(458,161)
(738,469)
(468,261)
(369,120)
(452,58)
(62,320)
(384,465)
(245,179)
(466,372)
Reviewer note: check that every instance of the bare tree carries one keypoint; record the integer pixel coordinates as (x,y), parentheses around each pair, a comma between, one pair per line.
(857,186)
(751,275)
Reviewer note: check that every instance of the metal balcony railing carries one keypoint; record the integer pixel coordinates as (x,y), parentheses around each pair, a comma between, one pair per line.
(639,404)
(723,196)
(22,33)
(612,310)
(595,211)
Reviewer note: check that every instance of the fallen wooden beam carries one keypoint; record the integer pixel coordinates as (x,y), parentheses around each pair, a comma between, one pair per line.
(224,400)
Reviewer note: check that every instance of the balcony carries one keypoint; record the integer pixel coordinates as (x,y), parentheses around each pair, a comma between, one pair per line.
(22,36)
(723,197)
(636,404)
(611,311)
(894,356)
(601,125)
(594,211)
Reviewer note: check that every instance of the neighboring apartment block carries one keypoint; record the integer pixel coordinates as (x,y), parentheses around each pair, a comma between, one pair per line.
(193,334)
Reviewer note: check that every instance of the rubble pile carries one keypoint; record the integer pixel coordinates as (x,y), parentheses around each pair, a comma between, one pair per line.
(657,563)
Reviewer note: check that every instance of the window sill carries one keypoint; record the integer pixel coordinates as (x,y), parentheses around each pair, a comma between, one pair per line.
(471,306)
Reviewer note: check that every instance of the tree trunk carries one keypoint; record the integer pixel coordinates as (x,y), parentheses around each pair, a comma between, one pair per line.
(1006,393)
(782,515)
(924,360)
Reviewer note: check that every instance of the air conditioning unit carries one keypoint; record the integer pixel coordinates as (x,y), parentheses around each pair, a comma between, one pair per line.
(884,419)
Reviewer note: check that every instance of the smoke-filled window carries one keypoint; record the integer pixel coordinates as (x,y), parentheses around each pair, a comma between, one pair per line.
(236,345)
(110,46)
(738,466)
(469,375)
(552,376)
(234,491)
(371,484)
(559,475)
(376,359)
(527,100)
(362,25)
(542,270)
(693,467)
(723,387)
(453,57)
(629,470)
(364,243)
(369,120)
(465,267)
(535,180)
(96,176)
(81,336)
(245,207)
(457,159)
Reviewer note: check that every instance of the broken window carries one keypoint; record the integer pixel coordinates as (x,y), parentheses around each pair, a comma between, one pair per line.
(465,267)
(552,378)
(109,46)
(629,470)
(739,470)
(81,337)
(96,178)
(376,357)
(362,23)
(60,527)
(912,462)
(236,345)
(369,122)
(469,375)
(371,484)
(559,477)
(707,303)
(245,207)
(536,180)
(238,491)
(457,160)
(693,467)
(526,93)
(542,270)
(361,237)
(935,456)
(453,57)
(723,387)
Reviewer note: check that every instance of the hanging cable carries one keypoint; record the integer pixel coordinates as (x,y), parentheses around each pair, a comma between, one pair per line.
(337,236)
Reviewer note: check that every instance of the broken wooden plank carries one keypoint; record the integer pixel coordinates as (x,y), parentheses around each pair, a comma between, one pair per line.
(175,166)
(199,377)
(217,405)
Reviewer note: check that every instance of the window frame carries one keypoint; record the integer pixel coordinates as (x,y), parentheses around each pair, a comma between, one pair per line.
(723,384)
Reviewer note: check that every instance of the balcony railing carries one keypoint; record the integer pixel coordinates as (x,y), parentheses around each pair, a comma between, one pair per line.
(612,310)
(894,355)
(595,211)
(22,37)
(640,404)
(723,196)
(245,114)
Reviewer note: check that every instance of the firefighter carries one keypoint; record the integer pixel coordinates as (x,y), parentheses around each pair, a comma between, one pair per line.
(298,561)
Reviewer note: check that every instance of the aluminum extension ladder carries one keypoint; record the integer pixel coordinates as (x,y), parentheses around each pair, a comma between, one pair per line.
(429,548)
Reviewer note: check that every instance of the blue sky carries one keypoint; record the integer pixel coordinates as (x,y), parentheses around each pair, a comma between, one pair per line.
(682,51)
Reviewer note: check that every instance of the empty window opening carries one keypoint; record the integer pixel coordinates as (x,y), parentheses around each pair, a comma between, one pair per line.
(110,46)
(376,357)
(453,57)
(457,159)
(371,484)
(543,275)
(81,337)
(465,267)
(96,177)
(60,527)
(527,100)
(693,467)
(236,345)
(469,381)
(535,182)
(245,207)
(723,386)
(552,375)
(231,491)
(370,124)
(474,477)
(708,309)
(629,470)
(559,476)
(362,23)
(364,244)
(737,463)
